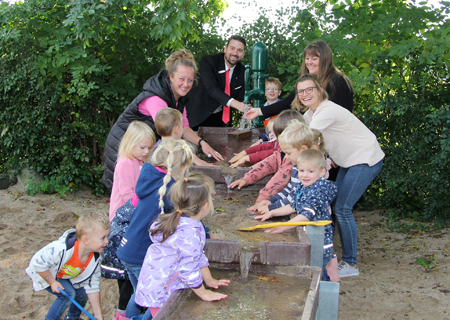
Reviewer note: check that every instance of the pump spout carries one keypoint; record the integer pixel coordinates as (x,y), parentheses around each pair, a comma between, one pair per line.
(255,94)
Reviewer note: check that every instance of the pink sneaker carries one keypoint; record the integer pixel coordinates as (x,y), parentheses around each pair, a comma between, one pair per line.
(118,316)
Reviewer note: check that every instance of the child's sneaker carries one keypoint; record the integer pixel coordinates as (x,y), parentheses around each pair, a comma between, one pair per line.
(344,270)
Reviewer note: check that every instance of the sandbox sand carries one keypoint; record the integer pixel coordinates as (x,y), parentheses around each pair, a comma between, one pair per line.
(391,284)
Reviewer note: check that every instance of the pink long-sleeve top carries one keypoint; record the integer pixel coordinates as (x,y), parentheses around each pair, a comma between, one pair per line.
(126,175)
(274,164)
(150,107)
(261,151)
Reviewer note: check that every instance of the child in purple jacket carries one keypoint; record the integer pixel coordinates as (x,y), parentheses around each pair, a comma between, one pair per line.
(176,260)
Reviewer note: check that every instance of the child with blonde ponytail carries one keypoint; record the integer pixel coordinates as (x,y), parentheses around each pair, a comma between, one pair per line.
(176,260)
(169,163)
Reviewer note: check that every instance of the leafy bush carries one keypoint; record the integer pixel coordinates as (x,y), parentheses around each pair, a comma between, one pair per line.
(67,71)
(69,68)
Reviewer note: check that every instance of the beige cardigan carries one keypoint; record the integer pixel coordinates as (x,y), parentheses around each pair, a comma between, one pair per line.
(348,141)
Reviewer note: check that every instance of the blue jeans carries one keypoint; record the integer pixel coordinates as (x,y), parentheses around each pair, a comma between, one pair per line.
(351,183)
(147,315)
(133,270)
(62,303)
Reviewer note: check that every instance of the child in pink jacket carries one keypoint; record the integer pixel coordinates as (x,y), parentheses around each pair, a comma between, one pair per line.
(134,149)
(257,151)
(276,164)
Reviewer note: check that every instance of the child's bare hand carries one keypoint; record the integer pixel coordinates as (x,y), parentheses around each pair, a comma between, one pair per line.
(264,217)
(212,296)
(213,283)
(238,183)
(263,209)
(276,230)
(55,286)
(235,158)
(254,207)
(238,163)
(257,143)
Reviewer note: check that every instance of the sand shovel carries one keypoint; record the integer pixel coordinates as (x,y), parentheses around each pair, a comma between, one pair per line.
(78,305)
(283,224)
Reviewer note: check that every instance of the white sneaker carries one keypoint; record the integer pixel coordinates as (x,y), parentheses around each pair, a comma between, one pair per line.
(344,270)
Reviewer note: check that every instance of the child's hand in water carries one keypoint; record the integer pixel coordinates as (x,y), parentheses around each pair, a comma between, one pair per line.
(257,204)
(235,158)
(238,183)
(263,209)
(264,217)
(241,161)
(254,207)
(213,283)
(277,230)
(209,295)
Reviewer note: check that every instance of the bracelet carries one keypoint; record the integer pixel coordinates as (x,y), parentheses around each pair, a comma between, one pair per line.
(200,142)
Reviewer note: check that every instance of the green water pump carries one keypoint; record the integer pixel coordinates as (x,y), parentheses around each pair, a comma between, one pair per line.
(258,68)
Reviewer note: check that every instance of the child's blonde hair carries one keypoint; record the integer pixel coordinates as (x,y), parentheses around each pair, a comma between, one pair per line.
(275,81)
(166,120)
(172,155)
(314,157)
(136,132)
(318,140)
(88,221)
(188,196)
(296,134)
(284,118)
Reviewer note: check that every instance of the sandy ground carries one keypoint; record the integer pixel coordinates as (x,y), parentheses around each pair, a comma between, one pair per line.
(391,285)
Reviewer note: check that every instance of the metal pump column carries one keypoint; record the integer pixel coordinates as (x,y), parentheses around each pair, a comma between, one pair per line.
(259,63)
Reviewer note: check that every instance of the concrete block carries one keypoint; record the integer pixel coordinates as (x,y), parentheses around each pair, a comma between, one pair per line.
(316,238)
(328,301)
(239,135)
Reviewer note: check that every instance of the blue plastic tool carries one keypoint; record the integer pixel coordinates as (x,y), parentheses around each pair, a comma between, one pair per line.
(77,304)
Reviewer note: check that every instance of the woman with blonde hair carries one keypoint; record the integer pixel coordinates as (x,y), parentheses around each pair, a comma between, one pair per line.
(166,89)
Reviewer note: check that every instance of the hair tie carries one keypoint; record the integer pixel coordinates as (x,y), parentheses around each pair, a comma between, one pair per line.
(319,142)
(170,151)
(179,211)
(185,179)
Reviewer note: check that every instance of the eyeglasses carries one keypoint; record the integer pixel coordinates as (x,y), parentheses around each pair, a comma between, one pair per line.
(272,89)
(307,90)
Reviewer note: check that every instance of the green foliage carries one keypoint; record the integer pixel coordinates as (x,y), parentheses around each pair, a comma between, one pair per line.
(69,68)
(397,55)
(428,262)
(52,185)
(398,62)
